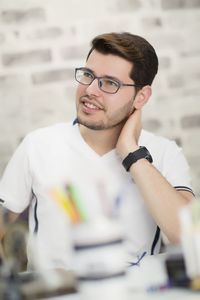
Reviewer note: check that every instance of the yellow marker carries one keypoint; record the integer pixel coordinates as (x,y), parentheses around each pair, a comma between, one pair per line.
(64,203)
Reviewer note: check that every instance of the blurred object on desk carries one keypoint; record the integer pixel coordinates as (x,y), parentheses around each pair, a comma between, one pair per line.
(150,281)
(18,285)
(175,267)
(99,249)
(33,285)
(14,245)
(99,253)
(100,259)
(190,238)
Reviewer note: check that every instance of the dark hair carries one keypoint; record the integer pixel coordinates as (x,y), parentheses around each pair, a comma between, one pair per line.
(134,49)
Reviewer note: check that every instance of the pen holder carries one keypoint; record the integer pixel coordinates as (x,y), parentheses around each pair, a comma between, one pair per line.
(100,259)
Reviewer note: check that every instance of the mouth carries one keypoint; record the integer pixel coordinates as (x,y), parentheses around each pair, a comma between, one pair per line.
(90,105)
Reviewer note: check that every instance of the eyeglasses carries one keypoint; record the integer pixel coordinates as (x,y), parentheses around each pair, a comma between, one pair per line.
(105,83)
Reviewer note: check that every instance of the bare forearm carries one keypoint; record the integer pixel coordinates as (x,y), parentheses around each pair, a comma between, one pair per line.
(162,200)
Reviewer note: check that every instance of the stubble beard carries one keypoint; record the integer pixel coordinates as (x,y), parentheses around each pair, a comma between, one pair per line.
(100,125)
(118,119)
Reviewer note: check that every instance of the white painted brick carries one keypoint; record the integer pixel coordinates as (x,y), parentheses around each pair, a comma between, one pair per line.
(22,15)
(53,76)
(124,6)
(8,81)
(44,33)
(74,52)
(152,22)
(174,4)
(26,58)
(65,31)
(2,38)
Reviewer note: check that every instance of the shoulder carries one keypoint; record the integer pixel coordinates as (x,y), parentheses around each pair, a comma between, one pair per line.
(54,131)
(162,149)
(46,138)
(156,142)
(55,128)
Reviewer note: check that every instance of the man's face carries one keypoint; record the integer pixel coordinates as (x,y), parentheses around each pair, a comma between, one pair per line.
(99,110)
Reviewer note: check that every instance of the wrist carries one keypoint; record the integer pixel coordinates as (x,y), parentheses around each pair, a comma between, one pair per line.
(125,152)
(134,156)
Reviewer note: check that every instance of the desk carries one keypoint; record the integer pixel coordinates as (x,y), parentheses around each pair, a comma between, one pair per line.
(150,272)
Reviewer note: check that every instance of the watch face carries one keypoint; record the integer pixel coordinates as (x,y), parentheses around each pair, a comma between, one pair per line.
(148,155)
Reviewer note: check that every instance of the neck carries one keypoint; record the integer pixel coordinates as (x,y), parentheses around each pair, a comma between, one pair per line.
(101,141)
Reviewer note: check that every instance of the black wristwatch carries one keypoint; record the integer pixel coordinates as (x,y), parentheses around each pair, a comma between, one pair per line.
(132,157)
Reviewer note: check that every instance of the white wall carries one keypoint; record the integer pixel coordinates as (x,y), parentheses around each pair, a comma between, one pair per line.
(42,41)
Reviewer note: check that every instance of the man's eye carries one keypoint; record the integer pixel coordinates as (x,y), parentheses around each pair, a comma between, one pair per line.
(88,74)
(109,82)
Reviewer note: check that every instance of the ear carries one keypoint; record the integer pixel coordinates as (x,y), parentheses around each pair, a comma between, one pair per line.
(142,96)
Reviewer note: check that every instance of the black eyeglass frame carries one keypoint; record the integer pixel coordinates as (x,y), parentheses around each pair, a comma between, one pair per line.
(120,84)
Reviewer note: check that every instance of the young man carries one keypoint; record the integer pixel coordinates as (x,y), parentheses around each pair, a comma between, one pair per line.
(150,172)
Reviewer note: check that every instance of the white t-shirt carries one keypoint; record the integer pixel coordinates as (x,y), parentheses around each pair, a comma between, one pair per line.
(57,155)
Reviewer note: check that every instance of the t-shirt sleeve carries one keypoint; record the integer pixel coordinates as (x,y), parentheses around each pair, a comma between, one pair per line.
(15,184)
(176,168)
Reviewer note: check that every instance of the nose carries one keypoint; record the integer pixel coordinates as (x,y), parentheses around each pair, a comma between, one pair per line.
(93,88)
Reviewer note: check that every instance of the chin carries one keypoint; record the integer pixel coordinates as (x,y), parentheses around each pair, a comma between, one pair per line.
(91,125)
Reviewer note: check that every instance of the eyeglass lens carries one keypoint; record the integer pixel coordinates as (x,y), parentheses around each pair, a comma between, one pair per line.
(107,85)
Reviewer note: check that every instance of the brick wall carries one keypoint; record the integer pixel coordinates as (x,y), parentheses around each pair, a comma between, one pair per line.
(42,41)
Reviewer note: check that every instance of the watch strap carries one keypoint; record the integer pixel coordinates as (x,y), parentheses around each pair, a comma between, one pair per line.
(132,157)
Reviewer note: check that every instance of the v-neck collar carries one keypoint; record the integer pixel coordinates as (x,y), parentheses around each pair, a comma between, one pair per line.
(87,149)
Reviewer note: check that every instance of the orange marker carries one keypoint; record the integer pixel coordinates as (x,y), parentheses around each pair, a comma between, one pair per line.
(65,204)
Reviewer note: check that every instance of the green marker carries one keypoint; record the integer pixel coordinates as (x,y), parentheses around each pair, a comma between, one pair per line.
(74,194)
